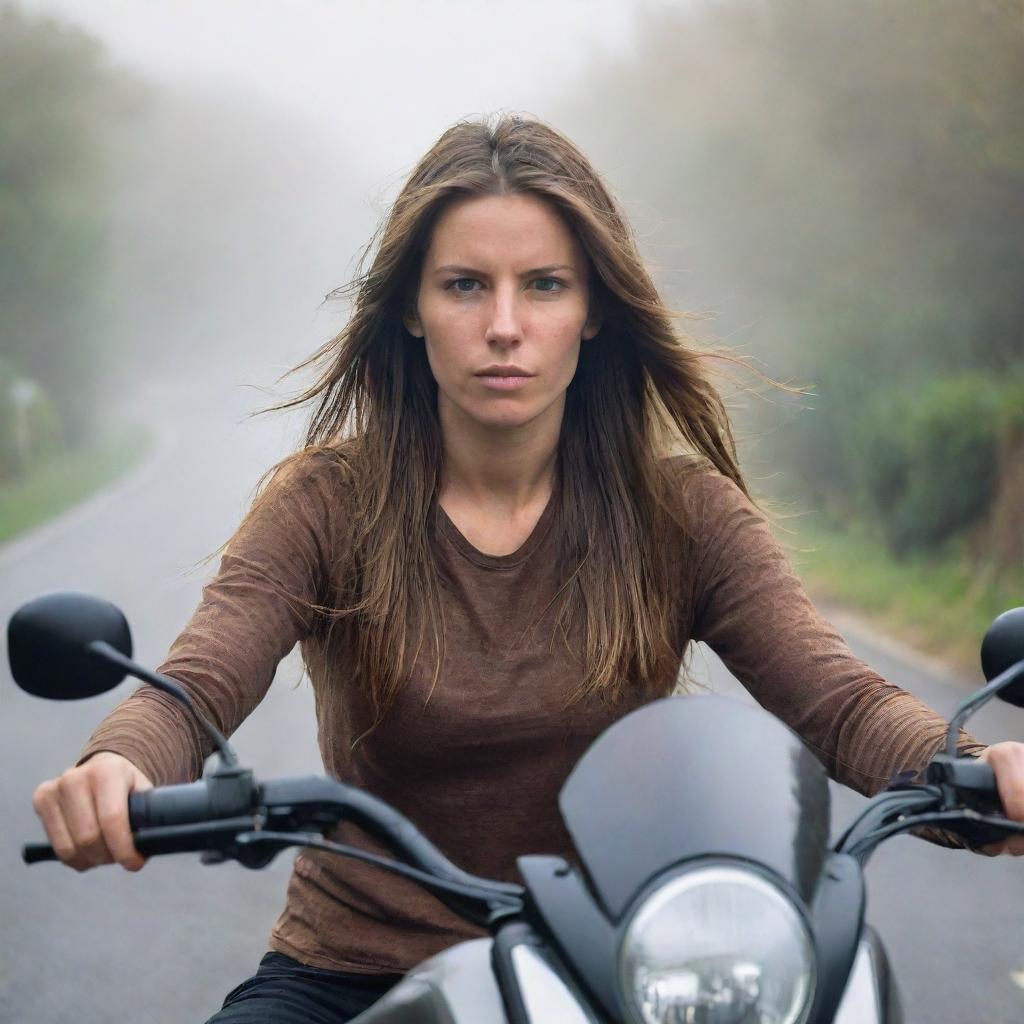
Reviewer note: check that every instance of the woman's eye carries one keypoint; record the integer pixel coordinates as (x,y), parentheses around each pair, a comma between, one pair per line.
(464,285)
(549,280)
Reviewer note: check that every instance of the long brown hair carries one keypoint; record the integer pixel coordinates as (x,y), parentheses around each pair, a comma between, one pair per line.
(641,392)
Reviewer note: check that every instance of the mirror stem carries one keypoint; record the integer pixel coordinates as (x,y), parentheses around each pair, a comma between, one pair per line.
(967,707)
(101,649)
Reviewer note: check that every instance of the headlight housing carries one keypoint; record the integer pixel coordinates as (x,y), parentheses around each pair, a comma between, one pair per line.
(718,944)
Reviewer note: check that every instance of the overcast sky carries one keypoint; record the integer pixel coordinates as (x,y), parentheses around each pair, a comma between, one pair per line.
(383,78)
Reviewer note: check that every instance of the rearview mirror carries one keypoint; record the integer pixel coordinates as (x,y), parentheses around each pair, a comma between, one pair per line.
(48,645)
(1002,647)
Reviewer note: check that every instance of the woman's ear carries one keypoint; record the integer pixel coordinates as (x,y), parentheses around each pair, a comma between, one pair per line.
(594,321)
(595,306)
(412,323)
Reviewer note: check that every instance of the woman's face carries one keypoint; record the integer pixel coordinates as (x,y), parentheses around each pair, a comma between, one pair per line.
(502,308)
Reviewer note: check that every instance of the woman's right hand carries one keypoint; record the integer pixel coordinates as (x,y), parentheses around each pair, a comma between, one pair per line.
(85,812)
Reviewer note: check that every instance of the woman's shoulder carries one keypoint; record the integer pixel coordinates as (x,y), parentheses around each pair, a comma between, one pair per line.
(711,509)
(307,493)
(323,471)
(696,484)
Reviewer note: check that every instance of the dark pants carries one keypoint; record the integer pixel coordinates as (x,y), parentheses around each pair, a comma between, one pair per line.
(283,991)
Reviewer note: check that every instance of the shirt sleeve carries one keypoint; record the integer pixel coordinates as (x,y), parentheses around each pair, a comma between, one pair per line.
(258,605)
(752,610)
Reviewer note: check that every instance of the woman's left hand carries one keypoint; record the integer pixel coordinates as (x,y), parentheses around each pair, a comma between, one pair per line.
(1007,761)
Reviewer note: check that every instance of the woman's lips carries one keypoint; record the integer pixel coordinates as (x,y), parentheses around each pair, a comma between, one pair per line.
(502,382)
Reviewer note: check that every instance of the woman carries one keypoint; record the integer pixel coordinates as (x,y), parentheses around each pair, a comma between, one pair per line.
(518,502)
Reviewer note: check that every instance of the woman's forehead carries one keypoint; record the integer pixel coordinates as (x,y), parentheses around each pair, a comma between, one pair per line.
(520,229)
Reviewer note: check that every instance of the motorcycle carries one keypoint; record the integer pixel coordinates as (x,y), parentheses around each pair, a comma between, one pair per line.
(717,903)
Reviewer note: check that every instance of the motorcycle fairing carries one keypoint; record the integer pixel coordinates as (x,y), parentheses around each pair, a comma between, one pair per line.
(687,777)
(458,987)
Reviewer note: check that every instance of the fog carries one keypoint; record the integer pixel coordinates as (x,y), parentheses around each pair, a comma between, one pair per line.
(374,81)
(267,139)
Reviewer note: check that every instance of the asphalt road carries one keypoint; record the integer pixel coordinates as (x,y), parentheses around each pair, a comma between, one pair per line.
(164,945)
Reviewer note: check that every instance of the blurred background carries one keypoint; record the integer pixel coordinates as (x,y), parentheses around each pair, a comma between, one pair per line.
(838,187)
(835,188)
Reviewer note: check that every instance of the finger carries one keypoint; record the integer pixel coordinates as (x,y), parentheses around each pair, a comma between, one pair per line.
(1007,761)
(77,802)
(112,814)
(140,783)
(1011,784)
(45,803)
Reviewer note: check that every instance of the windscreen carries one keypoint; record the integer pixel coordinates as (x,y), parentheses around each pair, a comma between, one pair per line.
(690,776)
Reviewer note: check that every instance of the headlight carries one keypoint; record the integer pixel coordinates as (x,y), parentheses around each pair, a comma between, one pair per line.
(717,945)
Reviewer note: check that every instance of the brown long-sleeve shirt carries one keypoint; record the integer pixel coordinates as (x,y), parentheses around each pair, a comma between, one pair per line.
(477,761)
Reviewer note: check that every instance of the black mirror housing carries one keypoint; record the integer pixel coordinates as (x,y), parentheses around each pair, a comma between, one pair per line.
(48,642)
(1002,647)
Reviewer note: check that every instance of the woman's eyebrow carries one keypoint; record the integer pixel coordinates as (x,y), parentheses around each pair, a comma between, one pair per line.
(455,268)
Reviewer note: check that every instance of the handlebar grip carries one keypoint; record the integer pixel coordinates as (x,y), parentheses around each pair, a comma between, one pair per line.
(969,773)
(224,794)
(223,797)
(137,811)
(33,853)
(974,779)
(976,788)
(171,805)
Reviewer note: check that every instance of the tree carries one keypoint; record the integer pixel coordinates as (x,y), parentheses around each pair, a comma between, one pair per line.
(843,182)
(57,98)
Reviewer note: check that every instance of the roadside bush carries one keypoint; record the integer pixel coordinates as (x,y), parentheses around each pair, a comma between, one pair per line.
(928,461)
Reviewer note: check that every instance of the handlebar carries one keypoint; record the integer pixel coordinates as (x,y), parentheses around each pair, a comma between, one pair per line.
(959,796)
(227,815)
(211,814)
(155,815)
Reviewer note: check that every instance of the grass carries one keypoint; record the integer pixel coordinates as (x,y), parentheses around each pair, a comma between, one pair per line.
(65,479)
(940,604)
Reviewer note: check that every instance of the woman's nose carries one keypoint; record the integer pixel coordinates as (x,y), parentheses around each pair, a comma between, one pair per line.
(505,328)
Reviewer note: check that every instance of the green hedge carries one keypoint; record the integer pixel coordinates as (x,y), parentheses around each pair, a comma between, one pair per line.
(927,460)
(939,603)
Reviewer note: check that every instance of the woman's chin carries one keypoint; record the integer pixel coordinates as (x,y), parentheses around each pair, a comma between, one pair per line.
(509,413)
(510,422)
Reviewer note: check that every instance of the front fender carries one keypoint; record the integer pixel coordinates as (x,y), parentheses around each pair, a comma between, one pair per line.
(871,995)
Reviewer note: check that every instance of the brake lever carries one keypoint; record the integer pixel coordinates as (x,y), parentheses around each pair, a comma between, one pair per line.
(981,829)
